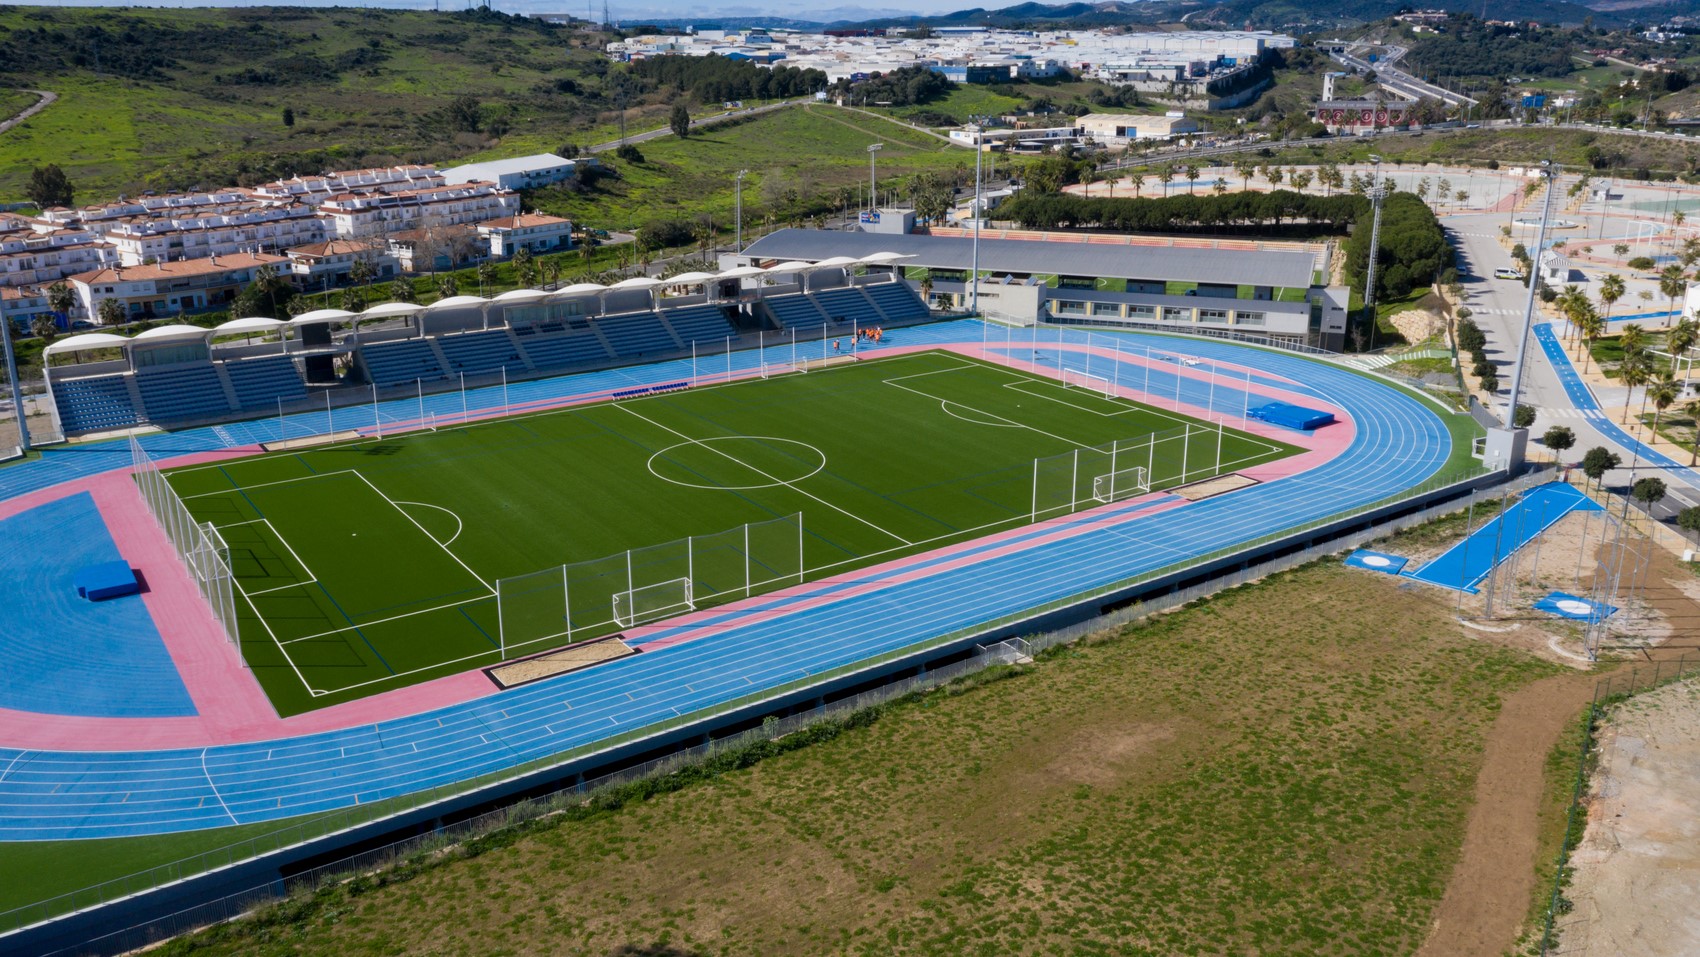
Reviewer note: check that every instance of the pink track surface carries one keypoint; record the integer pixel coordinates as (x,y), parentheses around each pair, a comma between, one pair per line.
(232,708)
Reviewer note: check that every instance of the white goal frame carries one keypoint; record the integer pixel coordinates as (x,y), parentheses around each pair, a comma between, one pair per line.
(1081,379)
(771,369)
(1120,484)
(635,606)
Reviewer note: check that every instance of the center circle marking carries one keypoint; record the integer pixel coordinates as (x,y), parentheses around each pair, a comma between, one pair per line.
(716,444)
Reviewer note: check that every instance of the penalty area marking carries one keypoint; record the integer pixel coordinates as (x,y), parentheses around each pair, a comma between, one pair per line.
(460,526)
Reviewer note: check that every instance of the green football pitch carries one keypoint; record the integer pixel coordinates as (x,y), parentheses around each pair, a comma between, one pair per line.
(366,566)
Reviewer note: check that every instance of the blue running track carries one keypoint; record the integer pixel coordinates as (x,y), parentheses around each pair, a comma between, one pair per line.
(1399,442)
(1463,566)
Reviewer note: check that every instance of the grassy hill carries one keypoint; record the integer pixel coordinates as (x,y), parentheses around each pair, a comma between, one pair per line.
(168,99)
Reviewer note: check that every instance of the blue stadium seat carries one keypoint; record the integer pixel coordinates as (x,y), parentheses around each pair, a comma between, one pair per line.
(846,304)
(261,382)
(477,353)
(897,300)
(795,310)
(180,392)
(392,363)
(94,404)
(550,346)
(636,334)
(704,324)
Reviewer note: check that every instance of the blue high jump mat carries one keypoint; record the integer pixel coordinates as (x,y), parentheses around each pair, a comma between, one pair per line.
(1570,606)
(1292,416)
(1463,566)
(1376,561)
(106,580)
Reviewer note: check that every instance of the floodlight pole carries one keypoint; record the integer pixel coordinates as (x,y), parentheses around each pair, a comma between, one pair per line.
(738,202)
(17,390)
(873,193)
(1550,171)
(377,423)
(1376,195)
(974,267)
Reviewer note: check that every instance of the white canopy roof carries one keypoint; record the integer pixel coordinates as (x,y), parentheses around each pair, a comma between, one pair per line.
(255,324)
(690,278)
(321,315)
(385,310)
(452,302)
(521,295)
(743,272)
(637,282)
(580,289)
(793,266)
(178,331)
(836,261)
(885,257)
(85,342)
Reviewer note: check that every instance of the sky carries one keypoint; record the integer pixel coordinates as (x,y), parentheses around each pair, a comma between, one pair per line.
(622,10)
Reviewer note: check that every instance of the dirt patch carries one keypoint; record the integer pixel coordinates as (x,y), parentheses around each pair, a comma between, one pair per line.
(1639,860)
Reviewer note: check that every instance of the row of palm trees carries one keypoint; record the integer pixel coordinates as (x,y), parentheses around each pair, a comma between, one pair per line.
(1638,370)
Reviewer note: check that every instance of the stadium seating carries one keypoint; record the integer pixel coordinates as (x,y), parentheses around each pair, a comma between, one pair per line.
(705,324)
(179,392)
(261,382)
(795,310)
(559,351)
(897,300)
(845,304)
(477,353)
(636,333)
(94,404)
(392,363)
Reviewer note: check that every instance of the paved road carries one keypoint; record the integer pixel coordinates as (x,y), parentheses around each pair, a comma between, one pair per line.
(47,100)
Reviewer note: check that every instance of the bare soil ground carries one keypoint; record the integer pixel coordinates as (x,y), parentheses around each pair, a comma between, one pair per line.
(1639,862)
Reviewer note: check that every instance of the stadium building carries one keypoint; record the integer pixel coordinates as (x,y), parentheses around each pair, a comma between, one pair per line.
(1270,290)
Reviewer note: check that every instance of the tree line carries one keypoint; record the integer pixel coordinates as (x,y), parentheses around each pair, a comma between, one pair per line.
(1277,211)
(713,79)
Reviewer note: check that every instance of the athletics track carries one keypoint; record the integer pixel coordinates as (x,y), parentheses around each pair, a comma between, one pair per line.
(88,777)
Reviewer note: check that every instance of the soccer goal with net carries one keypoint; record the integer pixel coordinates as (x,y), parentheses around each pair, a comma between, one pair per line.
(1120,484)
(771,369)
(1081,379)
(653,602)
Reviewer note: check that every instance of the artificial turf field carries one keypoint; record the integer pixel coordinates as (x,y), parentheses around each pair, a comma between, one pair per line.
(371,565)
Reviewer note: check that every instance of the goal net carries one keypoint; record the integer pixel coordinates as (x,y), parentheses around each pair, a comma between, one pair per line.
(1081,379)
(1114,486)
(652,602)
(771,369)
(810,365)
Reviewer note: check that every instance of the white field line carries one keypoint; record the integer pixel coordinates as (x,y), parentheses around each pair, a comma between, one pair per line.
(214,788)
(244,488)
(477,577)
(460,526)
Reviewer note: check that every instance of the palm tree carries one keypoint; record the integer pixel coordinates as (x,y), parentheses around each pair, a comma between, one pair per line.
(61,299)
(449,286)
(1664,394)
(1137,177)
(1693,409)
(1274,176)
(402,291)
(1191,172)
(1634,372)
(1672,283)
(1633,341)
(1680,339)
(1165,174)
(1611,290)
(361,272)
(44,328)
(1590,326)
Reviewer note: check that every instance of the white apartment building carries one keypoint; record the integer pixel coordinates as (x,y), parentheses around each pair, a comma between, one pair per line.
(362,215)
(537,232)
(317,189)
(34,253)
(269,226)
(320,266)
(168,288)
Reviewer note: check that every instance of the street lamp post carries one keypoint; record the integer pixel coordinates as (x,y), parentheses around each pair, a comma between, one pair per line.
(1376,193)
(738,236)
(873,193)
(1550,172)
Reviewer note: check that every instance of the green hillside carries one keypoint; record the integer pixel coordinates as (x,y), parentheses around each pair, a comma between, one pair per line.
(168,99)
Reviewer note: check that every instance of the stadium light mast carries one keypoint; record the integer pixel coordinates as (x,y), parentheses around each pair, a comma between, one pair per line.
(17,389)
(738,201)
(1550,173)
(1376,194)
(873,193)
(974,265)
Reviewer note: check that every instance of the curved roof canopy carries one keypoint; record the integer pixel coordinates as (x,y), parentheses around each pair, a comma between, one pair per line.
(521,295)
(875,259)
(385,310)
(637,282)
(239,326)
(690,278)
(837,261)
(743,272)
(793,266)
(580,289)
(452,302)
(178,331)
(321,315)
(85,342)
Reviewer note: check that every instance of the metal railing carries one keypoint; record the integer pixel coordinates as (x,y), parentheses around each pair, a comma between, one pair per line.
(199,546)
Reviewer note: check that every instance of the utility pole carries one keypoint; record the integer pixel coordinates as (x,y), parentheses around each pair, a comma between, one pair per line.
(1376,194)
(738,242)
(1550,172)
(873,187)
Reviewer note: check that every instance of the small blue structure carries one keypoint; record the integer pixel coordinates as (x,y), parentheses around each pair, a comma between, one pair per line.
(1570,606)
(1463,566)
(1376,561)
(1292,416)
(106,580)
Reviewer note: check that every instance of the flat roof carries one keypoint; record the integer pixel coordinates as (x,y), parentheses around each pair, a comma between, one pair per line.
(515,164)
(1287,270)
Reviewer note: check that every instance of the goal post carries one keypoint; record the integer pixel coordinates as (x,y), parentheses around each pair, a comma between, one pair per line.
(1081,379)
(652,602)
(1124,483)
(771,369)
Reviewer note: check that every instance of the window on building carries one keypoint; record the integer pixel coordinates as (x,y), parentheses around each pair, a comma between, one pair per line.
(1141,312)
(1064,307)
(1176,314)
(1252,318)
(1212,315)
(1106,309)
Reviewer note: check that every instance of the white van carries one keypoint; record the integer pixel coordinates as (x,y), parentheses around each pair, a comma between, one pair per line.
(1506,272)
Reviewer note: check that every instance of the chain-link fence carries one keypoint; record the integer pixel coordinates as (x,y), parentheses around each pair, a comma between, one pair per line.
(199,545)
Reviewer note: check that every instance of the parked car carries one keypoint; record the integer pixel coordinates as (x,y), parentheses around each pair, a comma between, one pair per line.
(1506,272)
